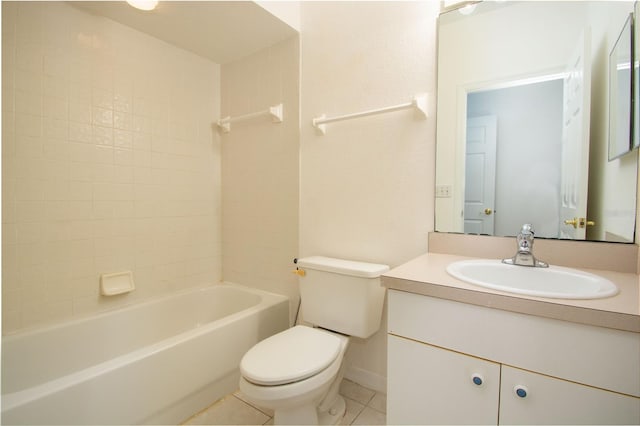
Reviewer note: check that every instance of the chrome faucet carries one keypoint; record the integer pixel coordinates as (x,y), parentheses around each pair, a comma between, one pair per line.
(524,256)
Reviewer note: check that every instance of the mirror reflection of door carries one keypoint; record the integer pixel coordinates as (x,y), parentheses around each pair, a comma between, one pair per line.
(575,143)
(480,175)
(499,45)
(528,141)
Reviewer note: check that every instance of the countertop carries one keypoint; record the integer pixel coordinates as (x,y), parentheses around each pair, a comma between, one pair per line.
(426,275)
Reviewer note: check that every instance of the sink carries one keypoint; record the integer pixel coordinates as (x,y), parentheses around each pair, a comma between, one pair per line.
(553,282)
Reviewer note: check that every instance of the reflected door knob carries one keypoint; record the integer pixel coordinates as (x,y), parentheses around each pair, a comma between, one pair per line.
(488,211)
(579,222)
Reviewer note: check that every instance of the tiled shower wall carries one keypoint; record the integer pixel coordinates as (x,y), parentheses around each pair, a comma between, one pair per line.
(109,163)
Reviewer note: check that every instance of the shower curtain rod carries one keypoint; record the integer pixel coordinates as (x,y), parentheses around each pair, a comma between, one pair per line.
(419,102)
(275,112)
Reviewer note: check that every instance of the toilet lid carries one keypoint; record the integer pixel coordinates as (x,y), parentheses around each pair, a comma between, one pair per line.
(289,356)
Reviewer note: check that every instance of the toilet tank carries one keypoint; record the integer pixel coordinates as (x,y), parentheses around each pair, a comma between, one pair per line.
(342,295)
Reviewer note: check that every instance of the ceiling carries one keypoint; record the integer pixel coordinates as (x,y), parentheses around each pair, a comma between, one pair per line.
(222,31)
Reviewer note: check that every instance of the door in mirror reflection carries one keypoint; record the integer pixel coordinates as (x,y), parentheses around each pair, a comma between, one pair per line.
(527,116)
(501,43)
(575,142)
(480,175)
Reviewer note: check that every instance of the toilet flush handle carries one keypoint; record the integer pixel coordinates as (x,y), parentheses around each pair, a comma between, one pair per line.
(299,272)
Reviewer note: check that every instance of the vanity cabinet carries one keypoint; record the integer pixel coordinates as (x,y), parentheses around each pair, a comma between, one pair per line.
(427,384)
(548,400)
(453,363)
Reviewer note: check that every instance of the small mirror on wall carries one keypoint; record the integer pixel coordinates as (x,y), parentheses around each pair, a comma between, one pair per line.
(636,83)
(621,92)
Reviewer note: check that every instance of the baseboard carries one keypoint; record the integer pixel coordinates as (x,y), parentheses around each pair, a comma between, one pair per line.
(367,379)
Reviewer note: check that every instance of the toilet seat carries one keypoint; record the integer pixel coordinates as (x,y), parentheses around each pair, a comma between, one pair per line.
(292,355)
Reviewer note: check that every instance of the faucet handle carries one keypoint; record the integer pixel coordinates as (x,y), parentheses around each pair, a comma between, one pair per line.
(524,256)
(527,228)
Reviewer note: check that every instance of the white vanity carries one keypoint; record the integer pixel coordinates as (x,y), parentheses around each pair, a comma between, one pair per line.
(463,354)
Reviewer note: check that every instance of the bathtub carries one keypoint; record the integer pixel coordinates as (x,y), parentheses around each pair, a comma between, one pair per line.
(156,362)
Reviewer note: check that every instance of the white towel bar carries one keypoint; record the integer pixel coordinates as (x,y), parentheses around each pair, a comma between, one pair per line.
(275,112)
(419,102)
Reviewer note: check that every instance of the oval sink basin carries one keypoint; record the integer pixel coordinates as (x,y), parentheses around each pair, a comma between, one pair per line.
(553,282)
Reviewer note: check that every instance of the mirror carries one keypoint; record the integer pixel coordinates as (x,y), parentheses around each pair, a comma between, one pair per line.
(620,93)
(522,126)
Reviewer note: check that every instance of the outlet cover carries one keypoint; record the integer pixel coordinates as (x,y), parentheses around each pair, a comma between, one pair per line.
(443,191)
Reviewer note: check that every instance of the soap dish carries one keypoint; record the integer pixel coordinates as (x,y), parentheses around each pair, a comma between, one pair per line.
(116,283)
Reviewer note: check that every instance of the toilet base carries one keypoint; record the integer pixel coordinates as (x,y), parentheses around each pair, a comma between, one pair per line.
(334,414)
(308,414)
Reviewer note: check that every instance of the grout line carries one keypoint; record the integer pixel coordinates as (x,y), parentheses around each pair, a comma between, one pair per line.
(359,411)
(207,408)
(252,406)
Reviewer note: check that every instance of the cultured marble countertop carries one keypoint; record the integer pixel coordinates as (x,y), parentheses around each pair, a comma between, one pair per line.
(426,275)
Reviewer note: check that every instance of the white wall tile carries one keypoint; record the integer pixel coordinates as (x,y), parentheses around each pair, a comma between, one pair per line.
(79,132)
(28,102)
(54,107)
(28,124)
(54,128)
(102,116)
(82,107)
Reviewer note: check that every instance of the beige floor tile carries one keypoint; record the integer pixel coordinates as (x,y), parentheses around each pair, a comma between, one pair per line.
(356,392)
(364,406)
(369,416)
(379,402)
(240,395)
(354,408)
(229,411)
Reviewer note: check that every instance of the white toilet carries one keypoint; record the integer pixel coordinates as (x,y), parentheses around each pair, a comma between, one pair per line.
(297,372)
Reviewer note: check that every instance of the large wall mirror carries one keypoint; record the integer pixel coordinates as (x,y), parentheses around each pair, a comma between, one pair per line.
(522,131)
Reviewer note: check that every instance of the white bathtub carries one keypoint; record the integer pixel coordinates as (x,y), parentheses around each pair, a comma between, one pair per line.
(156,362)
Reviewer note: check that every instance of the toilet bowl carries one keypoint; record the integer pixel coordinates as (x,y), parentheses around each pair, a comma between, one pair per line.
(297,373)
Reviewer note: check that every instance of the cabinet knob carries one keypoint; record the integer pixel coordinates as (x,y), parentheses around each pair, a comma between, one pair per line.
(477,379)
(521,391)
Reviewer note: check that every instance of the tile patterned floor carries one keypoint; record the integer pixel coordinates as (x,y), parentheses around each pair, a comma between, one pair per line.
(364,407)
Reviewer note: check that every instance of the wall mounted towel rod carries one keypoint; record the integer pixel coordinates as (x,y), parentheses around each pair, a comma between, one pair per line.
(419,102)
(275,112)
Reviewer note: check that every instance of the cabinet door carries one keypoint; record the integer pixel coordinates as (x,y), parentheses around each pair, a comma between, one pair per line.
(431,385)
(547,400)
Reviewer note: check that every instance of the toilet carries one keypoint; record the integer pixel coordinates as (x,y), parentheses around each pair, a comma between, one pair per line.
(297,372)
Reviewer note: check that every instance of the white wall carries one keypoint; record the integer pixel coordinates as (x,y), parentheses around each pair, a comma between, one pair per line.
(366,187)
(260,178)
(109,163)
